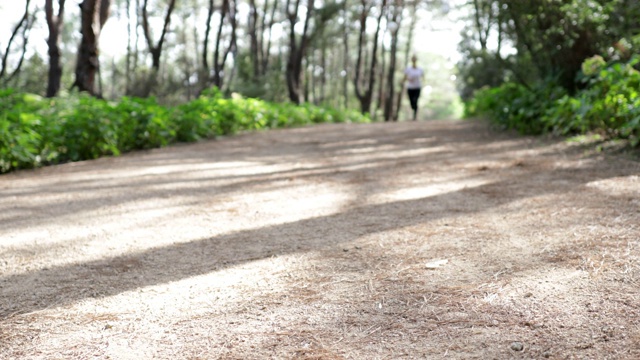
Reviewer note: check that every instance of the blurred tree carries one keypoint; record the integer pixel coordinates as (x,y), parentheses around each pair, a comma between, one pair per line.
(365,75)
(547,39)
(93,16)
(55,23)
(297,47)
(155,49)
(22,27)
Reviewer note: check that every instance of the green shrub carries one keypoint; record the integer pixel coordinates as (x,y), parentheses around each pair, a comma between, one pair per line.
(21,131)
(514,106)
(609,103)
(35,131)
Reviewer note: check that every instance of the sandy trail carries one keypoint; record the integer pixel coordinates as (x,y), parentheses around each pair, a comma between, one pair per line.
(434,239)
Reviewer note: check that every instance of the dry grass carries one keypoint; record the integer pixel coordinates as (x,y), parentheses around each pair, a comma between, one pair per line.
(314,243)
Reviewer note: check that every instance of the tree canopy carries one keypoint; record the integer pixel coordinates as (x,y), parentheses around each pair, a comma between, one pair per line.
(343,53)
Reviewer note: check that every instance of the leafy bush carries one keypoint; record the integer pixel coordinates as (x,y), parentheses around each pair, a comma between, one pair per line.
(22,132)
(514,106)
(35,131)
(609,103)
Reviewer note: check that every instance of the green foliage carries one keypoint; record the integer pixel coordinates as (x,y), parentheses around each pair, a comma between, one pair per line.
(540,39)
(513,106)
(35,131)
(609,103)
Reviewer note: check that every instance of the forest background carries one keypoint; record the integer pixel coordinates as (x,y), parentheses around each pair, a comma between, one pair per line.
(129,74)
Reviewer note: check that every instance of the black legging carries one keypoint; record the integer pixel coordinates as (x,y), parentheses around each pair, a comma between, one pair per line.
(414,94)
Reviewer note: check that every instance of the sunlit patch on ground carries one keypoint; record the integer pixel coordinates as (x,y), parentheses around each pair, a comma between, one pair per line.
(406,240)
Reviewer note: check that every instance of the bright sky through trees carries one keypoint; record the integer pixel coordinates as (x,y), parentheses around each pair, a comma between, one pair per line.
(437,36)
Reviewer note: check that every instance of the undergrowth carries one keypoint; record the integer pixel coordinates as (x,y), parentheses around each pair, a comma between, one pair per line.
(608,103)
(36,131)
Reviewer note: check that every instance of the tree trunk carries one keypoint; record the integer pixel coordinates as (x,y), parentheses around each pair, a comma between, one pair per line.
(232,49)
(127,76)
(93,15)
(253,36)
(228,15)
(381,86)
(24,21)
(297,50)
(205,43)
(136,49)
(308,82)
(365,96)
(261,50)
(156,50)
(345,43)
(391,75)
(267,52)
(54,23)
(407,50)
(323,75)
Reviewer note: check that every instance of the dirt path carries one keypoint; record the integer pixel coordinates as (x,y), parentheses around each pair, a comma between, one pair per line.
(384,241)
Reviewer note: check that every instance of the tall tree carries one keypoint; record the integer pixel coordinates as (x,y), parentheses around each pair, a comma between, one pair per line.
(345,55)
(297,48)
(407,53)
(254,37)
(268,27)
(156,49)
(228,16)
(205,42)
(24,25)
(128,63)
(93,16)
(55,22)
(222,49)
(364,79)
(394,27)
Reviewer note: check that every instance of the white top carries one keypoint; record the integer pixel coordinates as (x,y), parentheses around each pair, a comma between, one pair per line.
(414,76)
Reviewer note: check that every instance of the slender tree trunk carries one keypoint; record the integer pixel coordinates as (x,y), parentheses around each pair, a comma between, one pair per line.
(232,49)
(232,74)
(323,75)
(267,52)
(54,24)
(196,69)
(205,43)
(361,49)
(156,50)
(253,36)
(93,15)
(261,50)
(407,51)
(382,81)
(136,49)
(127,76)
(114,77)
(481,9)
(24,22)
(217,69)
(365,96)
(391,75)
(308,80)
(25,41)
(345,43)
(228,16)
(297,50)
